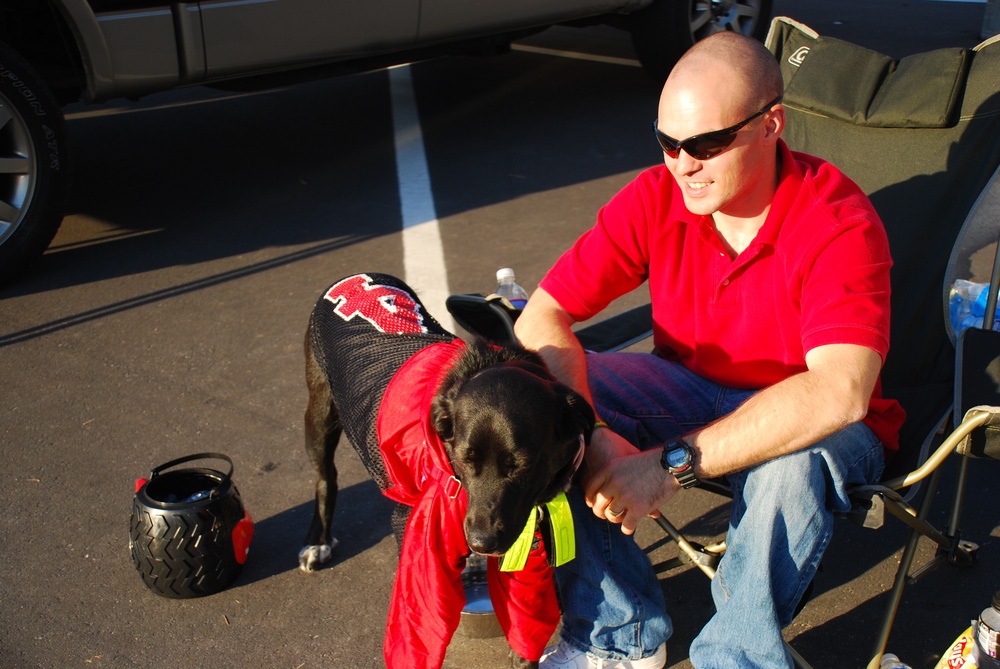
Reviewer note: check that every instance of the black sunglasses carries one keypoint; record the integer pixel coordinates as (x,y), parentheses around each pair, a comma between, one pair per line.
(708,144)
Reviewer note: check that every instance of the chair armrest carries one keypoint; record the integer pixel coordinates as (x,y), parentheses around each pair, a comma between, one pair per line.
(618,332)
(984,443)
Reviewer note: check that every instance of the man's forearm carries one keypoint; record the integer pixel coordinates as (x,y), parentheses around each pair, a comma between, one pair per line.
(792,414)
(545,327)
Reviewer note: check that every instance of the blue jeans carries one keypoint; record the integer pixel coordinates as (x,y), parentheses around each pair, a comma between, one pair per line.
(780,525)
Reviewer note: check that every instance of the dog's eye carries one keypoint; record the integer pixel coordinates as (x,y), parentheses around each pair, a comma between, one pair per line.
(512,465)
(471,462)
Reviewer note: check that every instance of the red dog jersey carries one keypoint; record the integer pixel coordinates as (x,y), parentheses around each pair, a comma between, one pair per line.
(385,358)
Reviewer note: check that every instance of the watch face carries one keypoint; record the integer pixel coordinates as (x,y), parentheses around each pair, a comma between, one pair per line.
(677,457)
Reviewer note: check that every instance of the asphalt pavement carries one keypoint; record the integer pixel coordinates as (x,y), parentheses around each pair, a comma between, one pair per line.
(167,319)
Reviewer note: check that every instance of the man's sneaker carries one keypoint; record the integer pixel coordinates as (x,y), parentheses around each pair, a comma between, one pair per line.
(565,656)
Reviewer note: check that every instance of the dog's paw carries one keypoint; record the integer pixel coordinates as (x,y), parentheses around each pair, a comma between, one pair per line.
(312,558)
(515,661)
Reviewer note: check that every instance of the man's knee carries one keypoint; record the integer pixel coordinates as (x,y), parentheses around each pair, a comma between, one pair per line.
(790,477)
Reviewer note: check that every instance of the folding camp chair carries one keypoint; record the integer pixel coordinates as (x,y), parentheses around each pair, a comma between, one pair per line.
(921,136)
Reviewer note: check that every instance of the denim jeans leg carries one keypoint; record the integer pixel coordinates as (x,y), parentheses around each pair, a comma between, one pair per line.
(612,600)
(649,400)
(781,523)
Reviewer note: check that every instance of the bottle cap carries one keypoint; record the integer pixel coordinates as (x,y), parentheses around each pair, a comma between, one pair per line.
(505,273)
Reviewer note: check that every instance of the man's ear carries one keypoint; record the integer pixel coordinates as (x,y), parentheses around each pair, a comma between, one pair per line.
(776,120)
(441,417)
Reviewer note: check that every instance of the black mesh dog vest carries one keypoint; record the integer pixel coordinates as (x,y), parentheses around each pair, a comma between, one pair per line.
(362,330)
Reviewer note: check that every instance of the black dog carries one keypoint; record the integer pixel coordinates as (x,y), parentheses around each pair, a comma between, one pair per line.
(508,435)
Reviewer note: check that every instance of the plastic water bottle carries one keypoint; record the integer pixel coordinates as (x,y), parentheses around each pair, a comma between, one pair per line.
(508,287)
(967,305)
(890,661)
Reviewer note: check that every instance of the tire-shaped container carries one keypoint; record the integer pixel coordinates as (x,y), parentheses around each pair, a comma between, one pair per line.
(189,534)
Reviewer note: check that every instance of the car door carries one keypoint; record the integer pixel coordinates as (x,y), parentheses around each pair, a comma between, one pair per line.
(249,35)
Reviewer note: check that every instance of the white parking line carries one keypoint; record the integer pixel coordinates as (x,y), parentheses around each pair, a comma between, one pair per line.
(423,252)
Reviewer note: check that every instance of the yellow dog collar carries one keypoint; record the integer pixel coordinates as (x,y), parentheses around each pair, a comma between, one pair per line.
(557,529)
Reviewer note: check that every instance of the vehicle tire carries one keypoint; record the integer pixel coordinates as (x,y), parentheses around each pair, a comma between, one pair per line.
(663,31)
(34,173)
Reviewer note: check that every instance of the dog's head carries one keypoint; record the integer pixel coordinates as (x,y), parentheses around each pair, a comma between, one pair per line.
(513,434)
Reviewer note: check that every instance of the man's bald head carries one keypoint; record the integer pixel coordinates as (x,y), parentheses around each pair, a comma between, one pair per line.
(735,60)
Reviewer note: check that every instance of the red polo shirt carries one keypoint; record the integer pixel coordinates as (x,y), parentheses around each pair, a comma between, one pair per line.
(816,273)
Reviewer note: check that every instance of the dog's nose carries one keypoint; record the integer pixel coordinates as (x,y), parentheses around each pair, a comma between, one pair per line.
(482,538)
(484,544)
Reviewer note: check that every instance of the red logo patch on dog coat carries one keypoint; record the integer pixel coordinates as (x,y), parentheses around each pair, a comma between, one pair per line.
(388,309)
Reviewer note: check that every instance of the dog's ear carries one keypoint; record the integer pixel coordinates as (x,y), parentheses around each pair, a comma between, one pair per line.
(579,416)
(441,417)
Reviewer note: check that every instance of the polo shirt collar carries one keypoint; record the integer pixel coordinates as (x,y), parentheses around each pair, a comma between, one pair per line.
(789,184)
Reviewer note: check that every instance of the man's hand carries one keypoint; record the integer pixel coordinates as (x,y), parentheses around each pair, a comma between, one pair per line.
(623,484)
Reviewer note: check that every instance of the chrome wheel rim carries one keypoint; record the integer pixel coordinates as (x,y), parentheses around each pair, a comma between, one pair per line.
(17,169)
(714,16)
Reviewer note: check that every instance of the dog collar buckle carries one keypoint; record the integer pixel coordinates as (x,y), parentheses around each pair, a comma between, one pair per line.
(452,487)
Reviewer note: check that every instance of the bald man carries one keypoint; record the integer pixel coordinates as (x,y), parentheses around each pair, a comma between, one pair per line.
(768,272)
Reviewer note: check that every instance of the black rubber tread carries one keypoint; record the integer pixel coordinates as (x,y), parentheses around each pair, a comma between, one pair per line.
(182,554)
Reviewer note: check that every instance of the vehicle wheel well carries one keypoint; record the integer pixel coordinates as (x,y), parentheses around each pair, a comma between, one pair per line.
(39,33)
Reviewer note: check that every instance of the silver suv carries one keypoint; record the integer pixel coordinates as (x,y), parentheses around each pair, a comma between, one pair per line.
(54,52)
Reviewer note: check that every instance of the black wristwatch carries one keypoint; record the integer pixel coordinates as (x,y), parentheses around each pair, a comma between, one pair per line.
(678,459)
